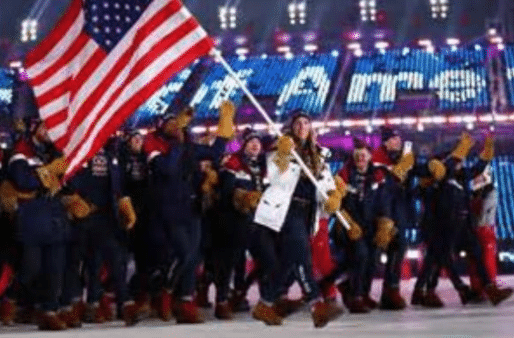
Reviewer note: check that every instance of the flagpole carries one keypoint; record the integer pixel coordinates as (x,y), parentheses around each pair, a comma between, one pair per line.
(217,54)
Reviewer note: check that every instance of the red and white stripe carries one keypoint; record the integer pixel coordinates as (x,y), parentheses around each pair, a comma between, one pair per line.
(84,94)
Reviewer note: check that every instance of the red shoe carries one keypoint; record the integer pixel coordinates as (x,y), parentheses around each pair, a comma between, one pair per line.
(358,305)
(8,312)
(223,311)
(162,305)
(107,307)
(49,321)
(187,313)
(69,318)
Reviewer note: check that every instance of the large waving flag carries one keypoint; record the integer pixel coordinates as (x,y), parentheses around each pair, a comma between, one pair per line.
(103,60)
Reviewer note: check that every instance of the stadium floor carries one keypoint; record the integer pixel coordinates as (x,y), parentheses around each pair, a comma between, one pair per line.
(452,321)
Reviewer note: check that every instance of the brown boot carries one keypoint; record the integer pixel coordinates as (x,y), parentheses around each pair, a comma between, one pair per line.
(187,313)
(497,295)
(266,314)
(392,300)
(79,310)
(133,313)
(322,313)
(417,297)
(107,306)
(285,306)
(94,314)
(8,312)
(370,302)
(69,317)
(432,300)
(358,305)
(49,321)
(162,305)
(223,311)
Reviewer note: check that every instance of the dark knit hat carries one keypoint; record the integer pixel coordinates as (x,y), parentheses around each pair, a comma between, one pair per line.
(387,133)
(249,134)
(360,144)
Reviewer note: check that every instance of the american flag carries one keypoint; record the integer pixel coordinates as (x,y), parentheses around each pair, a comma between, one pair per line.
(103,60)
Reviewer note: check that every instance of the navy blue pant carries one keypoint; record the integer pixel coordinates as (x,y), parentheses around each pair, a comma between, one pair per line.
(41,275)
(174,256)
(393,269)
(100,242)
(363,258)
(278,253)
(73,286)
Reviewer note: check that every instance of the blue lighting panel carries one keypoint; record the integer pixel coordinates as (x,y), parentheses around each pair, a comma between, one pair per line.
(458,76)
(6,87)
(509,63)
(160,101)
(503,171)
(300,82)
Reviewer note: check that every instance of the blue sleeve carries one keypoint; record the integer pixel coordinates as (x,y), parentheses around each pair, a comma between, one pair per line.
(384,200)
(227,187)
(165,164)
(23,176)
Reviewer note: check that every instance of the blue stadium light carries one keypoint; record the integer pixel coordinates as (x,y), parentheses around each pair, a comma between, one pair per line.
(294,82)
(264,56)
(335,53)
(478,47)
(459,86)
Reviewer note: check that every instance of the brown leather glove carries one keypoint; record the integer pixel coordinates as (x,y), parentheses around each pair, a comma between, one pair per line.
(246,201)
(355,232)
(464,146)
(285,145)
(385,232)
(226,120)
(487,153)
(333,203)
(58,166)
(402,168)
(76,206)
(8,197)
(127,212)
(211,179)
(49,180)
(437,169)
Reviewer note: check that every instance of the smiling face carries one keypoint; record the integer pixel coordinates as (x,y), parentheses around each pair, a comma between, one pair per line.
(362,157)
(136,143)
(302,128)
(394,144)
(253,148)
(41,133)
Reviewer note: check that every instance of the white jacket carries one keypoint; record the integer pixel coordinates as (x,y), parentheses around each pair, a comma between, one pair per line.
(276,199)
